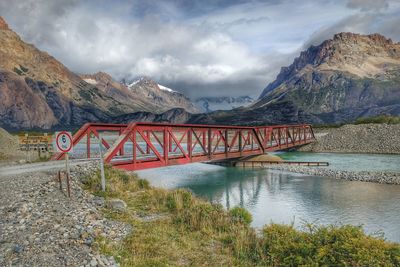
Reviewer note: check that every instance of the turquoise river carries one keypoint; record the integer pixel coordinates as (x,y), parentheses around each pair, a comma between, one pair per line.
(283,197)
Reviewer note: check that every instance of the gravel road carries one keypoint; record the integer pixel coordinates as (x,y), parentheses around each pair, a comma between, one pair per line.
(41,226)
(7,169)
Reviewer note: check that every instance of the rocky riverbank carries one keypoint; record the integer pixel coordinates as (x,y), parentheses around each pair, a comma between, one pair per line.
(41,226)
(362,138)
(364,176)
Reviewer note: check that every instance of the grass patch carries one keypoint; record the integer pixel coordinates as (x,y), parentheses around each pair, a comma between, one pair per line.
(186,230)
(241,214)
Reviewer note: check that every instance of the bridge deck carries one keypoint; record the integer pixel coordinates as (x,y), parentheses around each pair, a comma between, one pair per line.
(140,145)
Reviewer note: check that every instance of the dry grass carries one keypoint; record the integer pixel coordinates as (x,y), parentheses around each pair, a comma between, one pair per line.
(187,231)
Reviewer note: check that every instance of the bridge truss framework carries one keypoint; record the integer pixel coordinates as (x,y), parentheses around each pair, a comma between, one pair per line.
(140,145)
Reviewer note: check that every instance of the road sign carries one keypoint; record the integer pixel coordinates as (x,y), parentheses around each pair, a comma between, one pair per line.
(35,142)
(64,141)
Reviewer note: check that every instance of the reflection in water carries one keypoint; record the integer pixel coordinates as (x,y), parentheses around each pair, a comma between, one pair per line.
(274,196)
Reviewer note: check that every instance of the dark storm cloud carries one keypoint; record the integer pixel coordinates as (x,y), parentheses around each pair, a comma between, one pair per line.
(201,48)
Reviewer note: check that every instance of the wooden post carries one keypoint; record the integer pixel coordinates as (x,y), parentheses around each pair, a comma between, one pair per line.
(59,179)
(68,174)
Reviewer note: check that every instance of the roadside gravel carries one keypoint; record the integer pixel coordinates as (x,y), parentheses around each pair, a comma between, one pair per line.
(362,138)
(41,226)
(364,176)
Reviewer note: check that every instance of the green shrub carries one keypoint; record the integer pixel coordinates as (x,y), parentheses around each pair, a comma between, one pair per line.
(327,246)
(143,183)
(241,214)
(179,199)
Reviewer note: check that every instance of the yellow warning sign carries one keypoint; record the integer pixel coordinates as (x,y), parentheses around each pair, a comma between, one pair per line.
(35,142)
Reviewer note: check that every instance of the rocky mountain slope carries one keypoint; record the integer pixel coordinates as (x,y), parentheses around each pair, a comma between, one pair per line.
(38,92)
(340,80)
(144,93)
(209,104)
(175,115)
(343,78)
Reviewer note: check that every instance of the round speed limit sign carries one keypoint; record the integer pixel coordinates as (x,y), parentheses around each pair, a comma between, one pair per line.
(64,141)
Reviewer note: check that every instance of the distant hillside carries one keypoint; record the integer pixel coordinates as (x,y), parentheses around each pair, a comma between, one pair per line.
(340,80)
(161,98)
(144,93)
(209,104)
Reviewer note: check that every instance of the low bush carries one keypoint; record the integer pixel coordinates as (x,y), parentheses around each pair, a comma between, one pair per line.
(144,184)
(241,214)
(326,246)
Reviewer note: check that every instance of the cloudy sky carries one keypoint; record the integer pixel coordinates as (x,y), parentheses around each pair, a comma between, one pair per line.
(199,47)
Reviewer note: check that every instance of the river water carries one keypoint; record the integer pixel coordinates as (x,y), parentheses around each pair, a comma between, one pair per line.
(283,197)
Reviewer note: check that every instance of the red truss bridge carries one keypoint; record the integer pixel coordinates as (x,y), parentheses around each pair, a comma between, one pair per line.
(140,145)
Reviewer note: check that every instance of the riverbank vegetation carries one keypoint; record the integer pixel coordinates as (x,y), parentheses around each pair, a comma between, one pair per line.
(388,119)
(379,119)
(175,228)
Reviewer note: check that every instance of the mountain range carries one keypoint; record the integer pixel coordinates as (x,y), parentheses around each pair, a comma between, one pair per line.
(209,104)
(39,92)
(340,80)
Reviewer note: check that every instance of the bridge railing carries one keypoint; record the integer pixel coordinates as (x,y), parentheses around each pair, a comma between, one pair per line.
(147,145)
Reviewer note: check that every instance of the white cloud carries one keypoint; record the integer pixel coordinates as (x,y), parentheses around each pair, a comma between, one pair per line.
(232,50)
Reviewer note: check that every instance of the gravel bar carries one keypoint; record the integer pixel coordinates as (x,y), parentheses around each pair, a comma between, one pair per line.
(364,176)
(362,138)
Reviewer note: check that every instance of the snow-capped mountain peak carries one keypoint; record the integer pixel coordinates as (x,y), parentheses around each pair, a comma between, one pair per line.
(165,88)
(148,81)
(134,82)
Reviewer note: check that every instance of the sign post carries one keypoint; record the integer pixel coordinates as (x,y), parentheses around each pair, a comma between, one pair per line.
(64,144)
